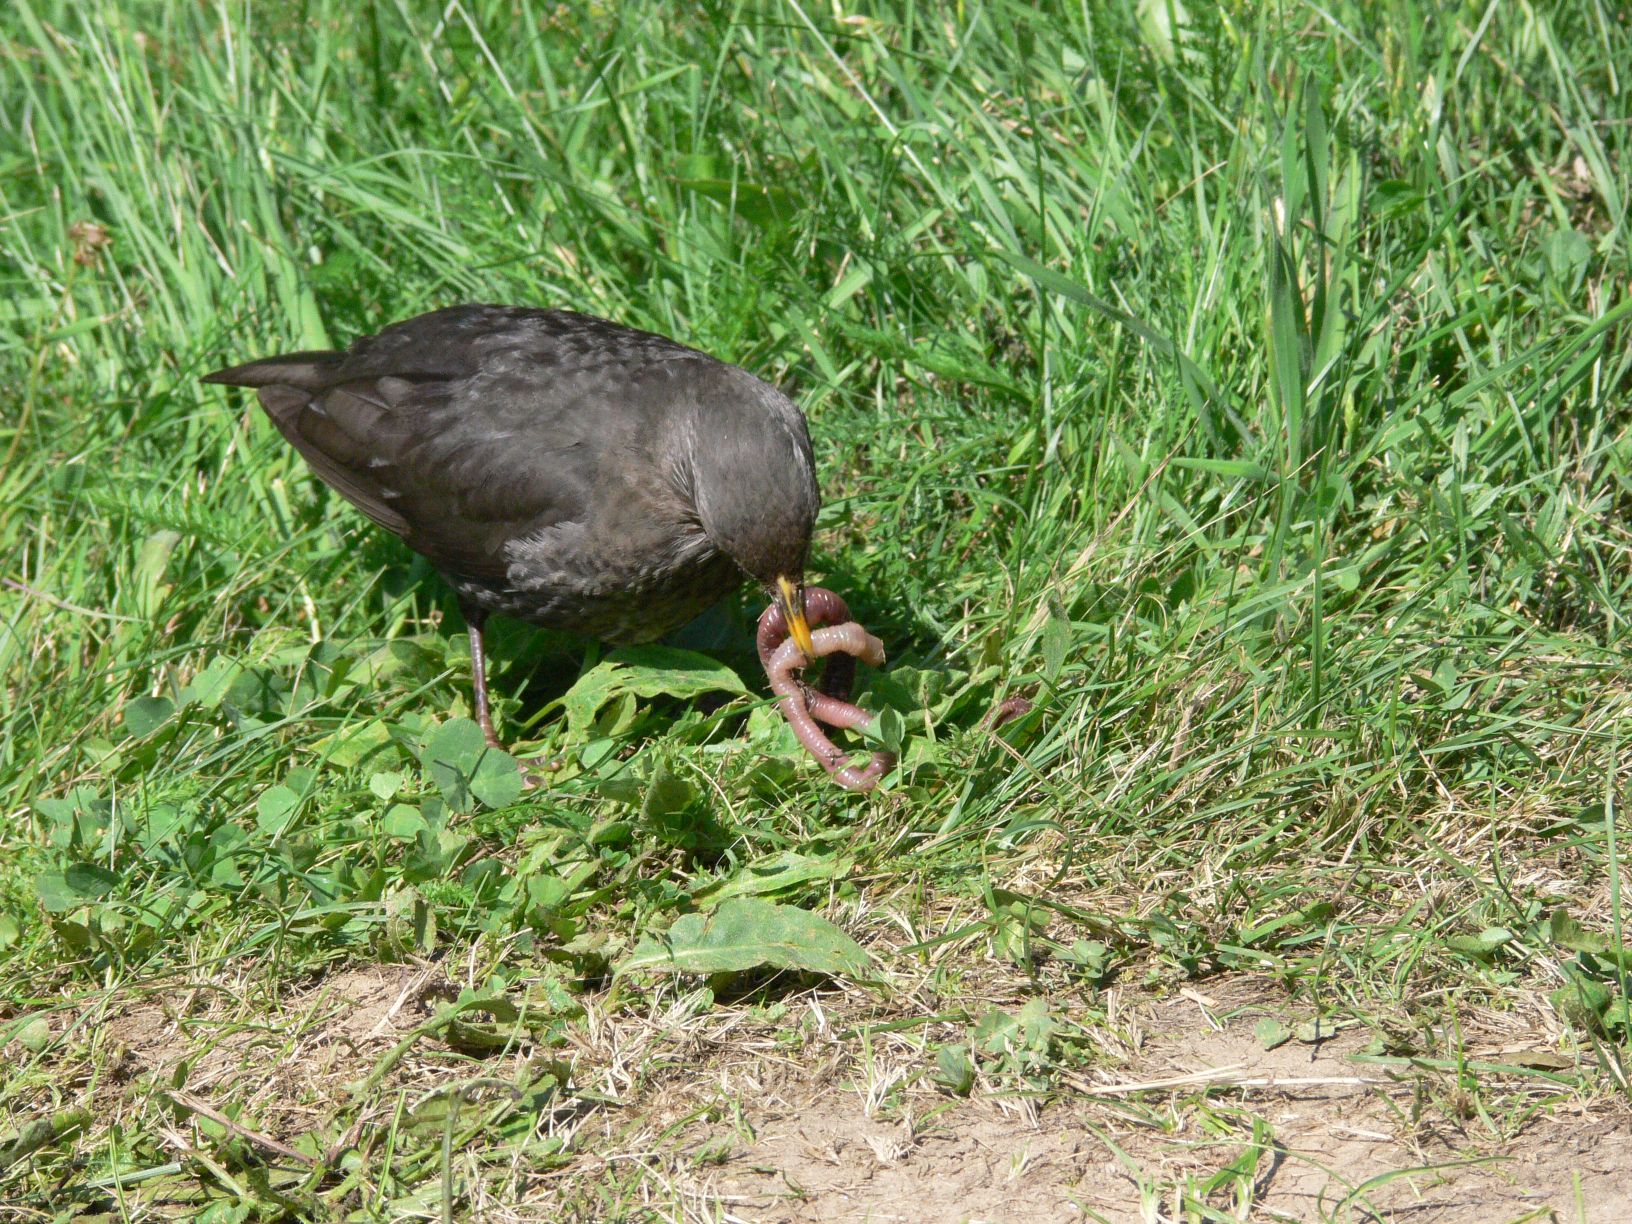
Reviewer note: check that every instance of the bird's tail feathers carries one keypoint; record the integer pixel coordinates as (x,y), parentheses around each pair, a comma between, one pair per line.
(306,370)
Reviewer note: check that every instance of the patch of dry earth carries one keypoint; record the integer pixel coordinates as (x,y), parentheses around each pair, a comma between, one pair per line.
(1341,1151)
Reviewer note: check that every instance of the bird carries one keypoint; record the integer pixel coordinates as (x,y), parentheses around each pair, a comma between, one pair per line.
(558,468)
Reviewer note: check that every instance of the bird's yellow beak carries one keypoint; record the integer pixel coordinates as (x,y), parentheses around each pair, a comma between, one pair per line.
(791,596)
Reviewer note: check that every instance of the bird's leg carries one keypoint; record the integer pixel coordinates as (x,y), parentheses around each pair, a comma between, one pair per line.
(476,618)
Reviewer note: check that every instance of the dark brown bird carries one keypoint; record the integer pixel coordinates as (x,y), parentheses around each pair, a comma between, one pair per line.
(557,467)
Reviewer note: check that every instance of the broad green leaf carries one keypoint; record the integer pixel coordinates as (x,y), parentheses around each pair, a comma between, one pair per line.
(1163,23)
(145,715)
(498,780)
(914,690)
(1582,1001)
(274,809)
(994,1033)
(209,688)
(1346,580)
(1568,255)
(225,873)
(53,891)
(954,1070)
(888,729)
(403,822)
(746,933)
(762,206)
(1482,945)
(1271,1032)
(1566,932)
(149,586)
(1240,469)
(75,885)
(547,892)
(90,881)
(1320,1028)
(456,744)
(464,766)
(666,795)
(1056,640)
(1618,1015)
(1299,921)
(35,1034)
(353,745)
(79,818)
(397,660)
(1091,956)
(385,783)
(645,671)
(773,874)
(410,924)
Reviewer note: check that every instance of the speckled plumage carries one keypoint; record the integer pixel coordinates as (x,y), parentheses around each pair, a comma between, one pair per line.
(553,466)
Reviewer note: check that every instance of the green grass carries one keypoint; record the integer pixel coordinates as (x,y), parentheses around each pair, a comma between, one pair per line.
(1251,391)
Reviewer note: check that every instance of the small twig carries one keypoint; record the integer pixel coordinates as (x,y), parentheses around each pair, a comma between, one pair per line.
(180,1144)
(205,1110)
(349,1140)
(1218,1077)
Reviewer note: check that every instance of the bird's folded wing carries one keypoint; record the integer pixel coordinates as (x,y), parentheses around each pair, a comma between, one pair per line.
(424,457)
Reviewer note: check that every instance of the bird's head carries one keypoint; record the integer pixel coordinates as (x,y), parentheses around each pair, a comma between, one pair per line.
(753,480)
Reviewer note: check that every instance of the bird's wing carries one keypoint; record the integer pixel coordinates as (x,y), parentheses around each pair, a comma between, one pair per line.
(464,429)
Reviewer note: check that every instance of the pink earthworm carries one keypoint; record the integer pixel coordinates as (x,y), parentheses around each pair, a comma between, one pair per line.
(822,607)
(1008,710)
(803,706)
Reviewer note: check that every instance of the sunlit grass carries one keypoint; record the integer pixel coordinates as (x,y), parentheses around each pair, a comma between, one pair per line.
(1250,395)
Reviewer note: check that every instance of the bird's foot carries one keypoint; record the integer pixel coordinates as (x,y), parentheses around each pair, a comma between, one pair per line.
(534,770)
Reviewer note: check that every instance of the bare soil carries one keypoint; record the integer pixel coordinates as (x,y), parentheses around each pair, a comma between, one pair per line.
(829,1133)
(1341,1150)
(1338,1153)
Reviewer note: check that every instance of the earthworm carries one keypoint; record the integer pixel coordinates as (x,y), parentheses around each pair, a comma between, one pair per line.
(1008,710)
(803,706)
(841,644)
(822,607)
